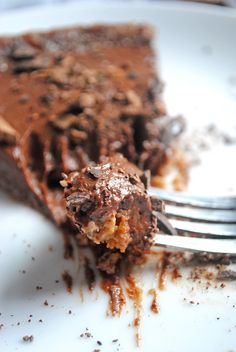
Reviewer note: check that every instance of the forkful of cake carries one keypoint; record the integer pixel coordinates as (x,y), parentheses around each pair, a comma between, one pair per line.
(113,206)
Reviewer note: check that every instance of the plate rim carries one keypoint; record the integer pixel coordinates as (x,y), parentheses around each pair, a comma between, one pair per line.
(170,5)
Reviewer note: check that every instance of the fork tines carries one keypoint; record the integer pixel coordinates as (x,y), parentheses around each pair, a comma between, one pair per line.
(204,216)
(224,203)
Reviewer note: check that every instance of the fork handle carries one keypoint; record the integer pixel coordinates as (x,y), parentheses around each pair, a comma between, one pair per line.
(195,244)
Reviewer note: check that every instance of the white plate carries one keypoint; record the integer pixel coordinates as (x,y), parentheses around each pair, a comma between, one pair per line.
(198,64)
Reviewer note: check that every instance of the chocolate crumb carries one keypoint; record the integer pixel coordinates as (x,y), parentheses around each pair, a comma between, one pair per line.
(115,340)
(40,321)
(28,338)
(70,312)
(18,323)
(99,343)
(88,334)
(29,320)
(45,302)
(96,350)
(39,288)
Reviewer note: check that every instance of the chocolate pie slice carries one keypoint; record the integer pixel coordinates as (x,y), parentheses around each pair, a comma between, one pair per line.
(70,96)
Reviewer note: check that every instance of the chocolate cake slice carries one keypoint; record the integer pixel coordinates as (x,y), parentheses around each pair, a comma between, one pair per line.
(70,96)
(109,204)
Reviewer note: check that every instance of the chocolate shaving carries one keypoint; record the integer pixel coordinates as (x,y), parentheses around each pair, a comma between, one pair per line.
(33,65)
(95,172)
(22,51)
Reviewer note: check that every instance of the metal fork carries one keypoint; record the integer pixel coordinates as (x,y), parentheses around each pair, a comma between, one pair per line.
(208,223)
